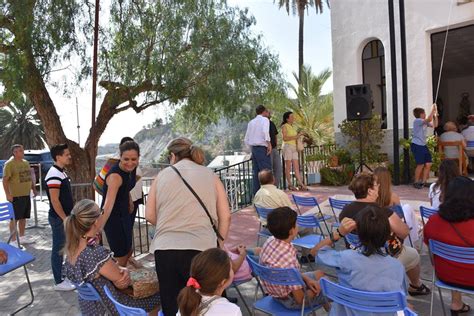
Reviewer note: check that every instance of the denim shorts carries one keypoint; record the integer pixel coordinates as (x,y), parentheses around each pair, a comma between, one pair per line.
(290,302)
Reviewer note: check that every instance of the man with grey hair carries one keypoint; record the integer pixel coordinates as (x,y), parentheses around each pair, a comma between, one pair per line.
(17,184)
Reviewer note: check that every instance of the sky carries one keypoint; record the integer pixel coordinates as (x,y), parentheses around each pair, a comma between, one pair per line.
(280,34)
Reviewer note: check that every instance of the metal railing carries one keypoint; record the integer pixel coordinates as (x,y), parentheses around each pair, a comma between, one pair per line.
(238,184)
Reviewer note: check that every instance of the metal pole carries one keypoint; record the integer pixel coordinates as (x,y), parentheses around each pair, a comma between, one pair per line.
(40,181)
(78,126)
(406,130)
(94,89)
(393,59)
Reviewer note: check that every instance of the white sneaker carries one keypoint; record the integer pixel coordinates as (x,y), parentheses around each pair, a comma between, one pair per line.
(65,285)
(26,240)
(15,244)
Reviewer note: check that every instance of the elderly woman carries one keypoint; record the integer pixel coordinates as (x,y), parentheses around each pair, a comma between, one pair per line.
(454,225)
(188,204)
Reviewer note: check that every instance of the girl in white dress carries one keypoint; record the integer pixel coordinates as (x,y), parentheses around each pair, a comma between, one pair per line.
(211,273)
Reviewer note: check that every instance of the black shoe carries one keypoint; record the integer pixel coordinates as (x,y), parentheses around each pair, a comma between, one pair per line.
(418,185)
(233,299)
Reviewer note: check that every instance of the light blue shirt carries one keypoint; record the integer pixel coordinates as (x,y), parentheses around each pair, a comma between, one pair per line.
(375,273)
(419,132)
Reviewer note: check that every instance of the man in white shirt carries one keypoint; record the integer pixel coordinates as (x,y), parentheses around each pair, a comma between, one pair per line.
(468,134)
(257,138)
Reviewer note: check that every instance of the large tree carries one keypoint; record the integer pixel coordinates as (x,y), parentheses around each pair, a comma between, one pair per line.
(299,7)
(195,55)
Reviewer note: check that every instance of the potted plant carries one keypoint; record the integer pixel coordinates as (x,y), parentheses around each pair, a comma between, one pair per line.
(314,164)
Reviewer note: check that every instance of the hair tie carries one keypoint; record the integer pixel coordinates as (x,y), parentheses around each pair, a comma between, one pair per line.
(192,282)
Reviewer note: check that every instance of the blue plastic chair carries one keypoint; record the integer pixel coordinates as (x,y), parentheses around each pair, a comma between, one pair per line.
(464,255)
(309,201)
(352,240)
(122,309)
(235,284)
(87,292)
(308,241)
(262,214)
(399,211)
(425,213)
(278,276)
(375,302)
(17,258)
(337,205)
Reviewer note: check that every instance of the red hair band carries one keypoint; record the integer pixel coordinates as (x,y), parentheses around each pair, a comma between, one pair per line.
(192,282)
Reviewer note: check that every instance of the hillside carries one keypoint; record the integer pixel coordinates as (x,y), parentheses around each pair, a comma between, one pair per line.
(225,136)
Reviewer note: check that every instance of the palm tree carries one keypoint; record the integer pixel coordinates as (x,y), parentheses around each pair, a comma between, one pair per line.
(299,7)
(313,111)
(19,124)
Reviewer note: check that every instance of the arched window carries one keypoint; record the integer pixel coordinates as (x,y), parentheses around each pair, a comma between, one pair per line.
(373,73)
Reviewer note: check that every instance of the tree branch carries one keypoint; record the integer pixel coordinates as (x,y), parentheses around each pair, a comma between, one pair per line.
(6,22)
(6,48)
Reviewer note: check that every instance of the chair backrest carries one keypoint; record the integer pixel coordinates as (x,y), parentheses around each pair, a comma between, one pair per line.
(6,211)
(459,146)
(87,292)
(470,144)
(399,211)
(375,302)
(307,221)
(277,276)
(452,253)
(426,213)
(338,204)
(353,240)
(263,212)
(122,309)
(305,200)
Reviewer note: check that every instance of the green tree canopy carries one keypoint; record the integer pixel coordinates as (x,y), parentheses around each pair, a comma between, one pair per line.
(198,56)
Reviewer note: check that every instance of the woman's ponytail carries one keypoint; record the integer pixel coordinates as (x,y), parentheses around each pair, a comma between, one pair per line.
(197,155)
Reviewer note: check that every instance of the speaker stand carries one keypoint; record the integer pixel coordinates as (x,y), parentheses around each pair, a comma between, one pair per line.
(361,166)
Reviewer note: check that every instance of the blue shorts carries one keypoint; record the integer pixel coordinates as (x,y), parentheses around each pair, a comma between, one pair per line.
(421,153)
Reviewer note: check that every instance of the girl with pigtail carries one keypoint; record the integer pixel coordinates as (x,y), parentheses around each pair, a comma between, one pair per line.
(211,273)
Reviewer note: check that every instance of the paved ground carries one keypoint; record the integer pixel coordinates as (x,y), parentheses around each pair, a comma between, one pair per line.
(14,291)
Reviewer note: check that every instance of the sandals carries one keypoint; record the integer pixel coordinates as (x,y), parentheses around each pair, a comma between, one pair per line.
(464,309)
(419,290)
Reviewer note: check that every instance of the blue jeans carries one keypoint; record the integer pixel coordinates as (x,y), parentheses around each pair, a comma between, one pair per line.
(59,238)
(260,161)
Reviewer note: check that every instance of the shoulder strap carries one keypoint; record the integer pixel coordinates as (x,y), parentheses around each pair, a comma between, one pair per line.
(200,202)
(206,305)
(460,236)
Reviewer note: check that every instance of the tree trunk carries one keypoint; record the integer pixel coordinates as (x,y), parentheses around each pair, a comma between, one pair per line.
(300,42)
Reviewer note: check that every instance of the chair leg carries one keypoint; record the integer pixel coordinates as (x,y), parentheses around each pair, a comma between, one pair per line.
(31,293)
(242,298)
(442,301)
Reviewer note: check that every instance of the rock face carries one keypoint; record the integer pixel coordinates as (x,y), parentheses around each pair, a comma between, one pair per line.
(225,136)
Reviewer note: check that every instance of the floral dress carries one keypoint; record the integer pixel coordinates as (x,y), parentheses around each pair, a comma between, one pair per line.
(86,269)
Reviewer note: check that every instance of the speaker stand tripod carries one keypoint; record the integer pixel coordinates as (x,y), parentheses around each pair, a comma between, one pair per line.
(361,166)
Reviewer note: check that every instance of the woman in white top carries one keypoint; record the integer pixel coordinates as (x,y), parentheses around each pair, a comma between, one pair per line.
(211,273)
(448,170)
(183,229)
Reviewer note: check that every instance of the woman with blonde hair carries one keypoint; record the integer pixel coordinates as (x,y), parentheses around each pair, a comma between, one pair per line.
(89,262)
(388,198)
(211,273)
(188,204)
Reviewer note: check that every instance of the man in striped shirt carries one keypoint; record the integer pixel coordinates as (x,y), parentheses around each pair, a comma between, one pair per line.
(58,188)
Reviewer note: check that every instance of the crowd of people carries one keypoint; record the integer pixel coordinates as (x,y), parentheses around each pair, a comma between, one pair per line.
(187,203)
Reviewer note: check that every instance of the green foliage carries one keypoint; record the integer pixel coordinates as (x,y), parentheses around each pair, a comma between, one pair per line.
(299,6)
(372,137)
(313,111)
(19,124)
(337,176)
(432,145)
(343,156)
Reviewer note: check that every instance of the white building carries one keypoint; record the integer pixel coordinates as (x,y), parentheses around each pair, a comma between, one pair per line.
(361,54)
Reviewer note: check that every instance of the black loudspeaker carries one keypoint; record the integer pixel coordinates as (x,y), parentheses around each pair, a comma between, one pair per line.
(359,102)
